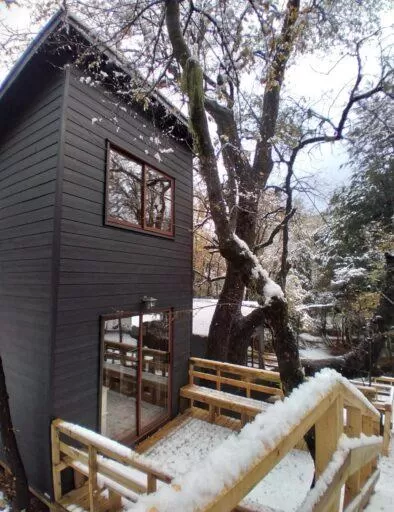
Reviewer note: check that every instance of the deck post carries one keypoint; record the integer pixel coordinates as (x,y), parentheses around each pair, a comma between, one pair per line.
(387,429)
(115,500)
(354,424)
(56,466)
(93,490)
(328,430)
(218,412)
(367,429)
(152,483)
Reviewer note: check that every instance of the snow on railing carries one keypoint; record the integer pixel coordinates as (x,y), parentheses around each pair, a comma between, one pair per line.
(266,440)
(341,463)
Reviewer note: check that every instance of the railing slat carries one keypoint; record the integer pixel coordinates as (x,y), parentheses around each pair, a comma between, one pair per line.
(367,429)
(353,483)
(56,462)
(93,488)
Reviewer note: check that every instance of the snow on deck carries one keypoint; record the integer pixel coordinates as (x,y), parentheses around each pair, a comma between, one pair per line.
(224,465)
(383,497)
(283,489)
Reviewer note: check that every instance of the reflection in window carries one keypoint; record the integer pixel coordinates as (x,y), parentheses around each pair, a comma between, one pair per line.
(124,189)
(155,367)
(137,195)
(119,383)
(158,201)
(135,379)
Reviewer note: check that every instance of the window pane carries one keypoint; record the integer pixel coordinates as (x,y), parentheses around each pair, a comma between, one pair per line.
(158,197)
(120,371)
(124,189)
(155,367)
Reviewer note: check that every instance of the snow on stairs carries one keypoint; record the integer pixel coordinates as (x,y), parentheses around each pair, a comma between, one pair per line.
(238,379)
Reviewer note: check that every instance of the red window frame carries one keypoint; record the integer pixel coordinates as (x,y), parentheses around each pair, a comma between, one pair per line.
(142,227)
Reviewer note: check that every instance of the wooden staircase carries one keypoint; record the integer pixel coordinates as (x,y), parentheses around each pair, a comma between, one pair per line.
(110,473)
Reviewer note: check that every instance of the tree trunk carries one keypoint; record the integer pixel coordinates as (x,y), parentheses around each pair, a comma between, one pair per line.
(228,310)
(234,216)
(20,499)
(285,345)
(241,335)
(362,359)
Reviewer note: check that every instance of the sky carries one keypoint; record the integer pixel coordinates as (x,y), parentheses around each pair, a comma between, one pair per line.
(312,78)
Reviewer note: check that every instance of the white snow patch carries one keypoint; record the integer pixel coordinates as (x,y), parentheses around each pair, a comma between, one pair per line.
(314,353)
(271,289)
(193,440)
(203,310)
(383,497)
(4,506)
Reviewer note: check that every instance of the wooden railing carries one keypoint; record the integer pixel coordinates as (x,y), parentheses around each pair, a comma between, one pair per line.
(328,402)
(105,464)
(381,394)
(279,430)
(237,376)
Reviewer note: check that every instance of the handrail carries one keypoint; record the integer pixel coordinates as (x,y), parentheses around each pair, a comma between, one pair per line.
(106,463)
(236,368)
(320,402)
(242,377)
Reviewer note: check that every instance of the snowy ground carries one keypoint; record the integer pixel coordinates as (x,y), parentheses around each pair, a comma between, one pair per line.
(283,489)
(203,309)
(383,498)
(286,485)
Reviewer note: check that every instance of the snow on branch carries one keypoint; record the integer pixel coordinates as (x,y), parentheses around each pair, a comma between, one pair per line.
(271,289)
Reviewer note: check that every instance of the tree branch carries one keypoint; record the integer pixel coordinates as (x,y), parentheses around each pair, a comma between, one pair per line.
(275,231)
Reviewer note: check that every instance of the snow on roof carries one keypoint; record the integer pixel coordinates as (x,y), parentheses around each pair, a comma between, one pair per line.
(203,310)
(225,464)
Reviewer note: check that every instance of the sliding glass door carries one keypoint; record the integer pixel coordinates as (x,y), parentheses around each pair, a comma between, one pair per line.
(135,374)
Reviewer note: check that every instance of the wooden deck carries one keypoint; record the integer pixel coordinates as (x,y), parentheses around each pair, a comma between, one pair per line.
(111,472)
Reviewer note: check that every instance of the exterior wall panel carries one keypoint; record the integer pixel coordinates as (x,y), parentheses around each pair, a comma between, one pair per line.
(104,269)
(29,145)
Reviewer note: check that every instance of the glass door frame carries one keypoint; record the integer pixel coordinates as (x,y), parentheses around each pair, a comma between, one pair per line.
(125,314)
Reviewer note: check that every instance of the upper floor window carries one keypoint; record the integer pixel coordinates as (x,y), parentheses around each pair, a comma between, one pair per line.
(137,195)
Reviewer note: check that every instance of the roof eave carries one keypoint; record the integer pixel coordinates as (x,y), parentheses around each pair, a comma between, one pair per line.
(30,51)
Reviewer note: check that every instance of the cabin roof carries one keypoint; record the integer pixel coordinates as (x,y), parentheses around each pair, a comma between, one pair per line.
(68,20)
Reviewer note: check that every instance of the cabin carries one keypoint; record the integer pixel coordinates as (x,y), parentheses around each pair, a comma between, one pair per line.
(95,246)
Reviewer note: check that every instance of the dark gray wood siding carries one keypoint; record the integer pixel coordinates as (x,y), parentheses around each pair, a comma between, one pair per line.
(29,145)
(105,269)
